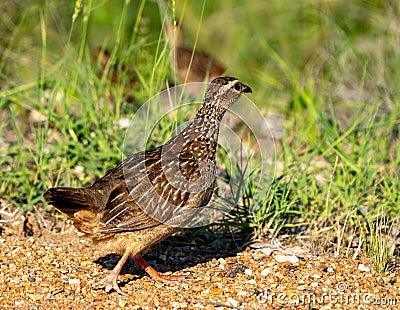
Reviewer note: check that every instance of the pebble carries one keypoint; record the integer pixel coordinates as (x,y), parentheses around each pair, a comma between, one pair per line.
(206,291)
(270,263)
(265,272)
(232,302)
(222,261)
(216,291)
(286,258)
(267,251)
(74,282)
(122,303)
(363,268)
(248,272)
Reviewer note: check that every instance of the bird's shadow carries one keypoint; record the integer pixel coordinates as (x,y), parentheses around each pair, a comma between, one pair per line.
(174,254)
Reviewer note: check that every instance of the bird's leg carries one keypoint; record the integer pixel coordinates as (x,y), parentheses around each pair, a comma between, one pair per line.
(154,273)
(110,281)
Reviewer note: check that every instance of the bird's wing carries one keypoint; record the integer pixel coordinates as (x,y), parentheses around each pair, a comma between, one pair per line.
(123,214)
(144,196)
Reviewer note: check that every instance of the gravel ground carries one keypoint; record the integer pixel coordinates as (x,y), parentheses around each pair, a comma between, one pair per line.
(55,270)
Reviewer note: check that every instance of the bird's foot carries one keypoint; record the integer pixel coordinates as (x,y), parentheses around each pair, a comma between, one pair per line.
(154,273)
(110,283)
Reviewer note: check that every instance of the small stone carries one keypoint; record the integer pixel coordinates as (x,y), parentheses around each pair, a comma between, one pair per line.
(297,250)
(2,240)
(122,303)
(236,270)
(86,263)
(74,282)
(206,291)
(156,302)
(16,223)
(330,269)
(265,272)
(363,268)
(267,251)
(316,276)
(270,263)
(39,290)
(248,272)
(286,258)
(215,279)
(52,245)
(314,284)
(216,291)
(232,302)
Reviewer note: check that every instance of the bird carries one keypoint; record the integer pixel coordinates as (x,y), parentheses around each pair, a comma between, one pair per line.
(190,65)
(137,203)
(109,73)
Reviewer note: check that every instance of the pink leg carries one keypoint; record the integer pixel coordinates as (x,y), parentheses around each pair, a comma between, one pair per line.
(110,281)
(154,273)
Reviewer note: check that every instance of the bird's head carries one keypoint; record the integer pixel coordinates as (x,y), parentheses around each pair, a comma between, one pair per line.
(221,93)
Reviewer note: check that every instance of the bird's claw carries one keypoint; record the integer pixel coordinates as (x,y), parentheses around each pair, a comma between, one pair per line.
(109,283)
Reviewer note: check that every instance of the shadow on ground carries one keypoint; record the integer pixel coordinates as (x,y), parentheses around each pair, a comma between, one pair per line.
(177,253)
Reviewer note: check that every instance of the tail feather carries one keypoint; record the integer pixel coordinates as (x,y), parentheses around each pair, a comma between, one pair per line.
(69,200)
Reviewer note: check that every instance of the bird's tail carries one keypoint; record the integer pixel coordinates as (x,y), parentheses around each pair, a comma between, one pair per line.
(69,200)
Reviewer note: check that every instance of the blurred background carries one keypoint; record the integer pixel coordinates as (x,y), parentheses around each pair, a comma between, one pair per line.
(347,48)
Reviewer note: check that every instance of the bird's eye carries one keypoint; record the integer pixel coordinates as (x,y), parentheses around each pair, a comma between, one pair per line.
(237,87)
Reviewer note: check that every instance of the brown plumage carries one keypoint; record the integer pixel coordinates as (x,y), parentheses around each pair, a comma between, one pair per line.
(190,65)
(139,202)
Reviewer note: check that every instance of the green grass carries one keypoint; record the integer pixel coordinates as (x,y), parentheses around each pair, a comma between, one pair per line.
(331,69)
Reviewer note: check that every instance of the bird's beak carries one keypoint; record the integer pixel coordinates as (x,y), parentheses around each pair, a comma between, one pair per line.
(246,89)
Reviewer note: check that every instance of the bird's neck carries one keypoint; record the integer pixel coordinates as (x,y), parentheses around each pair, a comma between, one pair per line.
(208,111)
(200,137)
